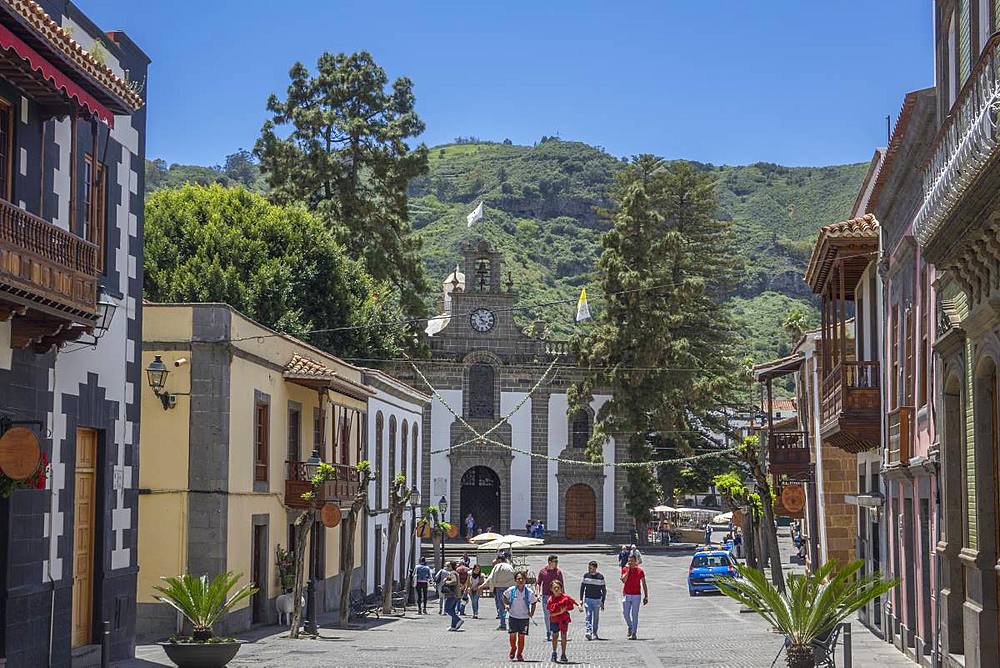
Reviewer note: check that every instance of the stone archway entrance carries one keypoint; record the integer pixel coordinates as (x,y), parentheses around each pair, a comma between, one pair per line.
(581,513)
(480,495)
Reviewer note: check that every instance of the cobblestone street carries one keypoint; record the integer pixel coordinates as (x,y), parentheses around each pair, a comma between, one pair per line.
(674,630)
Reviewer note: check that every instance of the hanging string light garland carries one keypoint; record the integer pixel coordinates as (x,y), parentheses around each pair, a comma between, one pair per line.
(484,439)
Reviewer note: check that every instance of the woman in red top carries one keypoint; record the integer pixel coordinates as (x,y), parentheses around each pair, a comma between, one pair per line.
(559,605)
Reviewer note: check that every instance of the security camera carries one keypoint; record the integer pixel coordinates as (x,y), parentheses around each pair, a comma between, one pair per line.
(180,361)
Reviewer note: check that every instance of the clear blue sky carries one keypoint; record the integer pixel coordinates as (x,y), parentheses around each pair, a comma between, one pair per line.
(797,82)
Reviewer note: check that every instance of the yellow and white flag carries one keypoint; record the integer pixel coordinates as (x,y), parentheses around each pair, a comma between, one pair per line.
(582,309)
(475,216)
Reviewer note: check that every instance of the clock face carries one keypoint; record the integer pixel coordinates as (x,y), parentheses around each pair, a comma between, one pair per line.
(482,320)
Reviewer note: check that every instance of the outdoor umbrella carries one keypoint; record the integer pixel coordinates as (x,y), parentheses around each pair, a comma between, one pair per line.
(511,541)
(722,518)
(485,537)
(664,509)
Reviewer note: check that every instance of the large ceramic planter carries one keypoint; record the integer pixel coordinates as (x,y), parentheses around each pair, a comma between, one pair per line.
(201,654)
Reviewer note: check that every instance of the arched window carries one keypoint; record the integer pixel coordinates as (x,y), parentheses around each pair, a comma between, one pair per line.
(481,382)
(392,448)
(404,440)
(413,480)
(378,458)
(580,429)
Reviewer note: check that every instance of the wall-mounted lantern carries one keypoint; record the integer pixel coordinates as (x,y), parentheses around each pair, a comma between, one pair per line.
(156,376)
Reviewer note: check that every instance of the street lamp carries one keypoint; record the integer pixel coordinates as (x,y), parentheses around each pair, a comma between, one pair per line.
(414,504)
(310,468)
(156,376)
(443,506)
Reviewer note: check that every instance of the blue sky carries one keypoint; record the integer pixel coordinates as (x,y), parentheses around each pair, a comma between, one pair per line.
(796,82)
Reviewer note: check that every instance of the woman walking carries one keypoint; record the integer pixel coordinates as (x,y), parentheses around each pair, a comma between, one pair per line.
(476,579)
(559,605)
(451,592)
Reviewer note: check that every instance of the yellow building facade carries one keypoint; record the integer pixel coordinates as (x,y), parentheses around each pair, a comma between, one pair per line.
(223,444)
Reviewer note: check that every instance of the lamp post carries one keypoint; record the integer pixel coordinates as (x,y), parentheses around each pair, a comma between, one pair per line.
(311,468)
(414,504)
(443,505)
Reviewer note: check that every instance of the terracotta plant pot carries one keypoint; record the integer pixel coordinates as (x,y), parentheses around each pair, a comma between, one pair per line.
(201,654)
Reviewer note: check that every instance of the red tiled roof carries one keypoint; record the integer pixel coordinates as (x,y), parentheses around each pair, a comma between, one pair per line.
(861,234)
(307,368)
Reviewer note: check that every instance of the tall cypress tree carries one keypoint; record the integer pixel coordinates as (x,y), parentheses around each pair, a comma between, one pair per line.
(663,342)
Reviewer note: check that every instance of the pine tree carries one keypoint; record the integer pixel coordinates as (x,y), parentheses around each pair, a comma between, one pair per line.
(338,143)
(663,341)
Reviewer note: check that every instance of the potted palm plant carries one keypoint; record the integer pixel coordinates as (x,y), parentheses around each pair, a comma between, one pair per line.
(811,607)
(203,602)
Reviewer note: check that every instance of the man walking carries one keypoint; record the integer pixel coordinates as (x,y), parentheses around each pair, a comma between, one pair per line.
(546,576)
(501,578)
(633,589)
(593,593)
(421,578)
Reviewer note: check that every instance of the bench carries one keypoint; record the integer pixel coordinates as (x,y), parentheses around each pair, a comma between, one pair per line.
(363,606)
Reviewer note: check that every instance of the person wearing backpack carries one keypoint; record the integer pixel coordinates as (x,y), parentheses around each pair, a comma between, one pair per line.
(452,593)
(520,602)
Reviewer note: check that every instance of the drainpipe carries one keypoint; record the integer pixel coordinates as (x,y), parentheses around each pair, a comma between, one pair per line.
(936,652)
(820,506)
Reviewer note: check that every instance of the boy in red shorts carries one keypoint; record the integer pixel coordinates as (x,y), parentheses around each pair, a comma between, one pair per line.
(559,605)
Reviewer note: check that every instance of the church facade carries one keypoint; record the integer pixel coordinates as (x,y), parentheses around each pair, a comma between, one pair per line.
(485,368)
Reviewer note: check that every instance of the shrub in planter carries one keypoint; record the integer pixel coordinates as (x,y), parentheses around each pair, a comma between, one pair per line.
(203,602)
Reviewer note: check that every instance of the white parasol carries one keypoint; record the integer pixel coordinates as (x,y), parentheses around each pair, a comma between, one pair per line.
(664,509)
(511,541)
(723,518)
(485,537)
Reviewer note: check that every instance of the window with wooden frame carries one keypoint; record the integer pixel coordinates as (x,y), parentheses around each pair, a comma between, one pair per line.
(392,449)
(319,443)
(894,358)
(6,149)
(413,480)
(404,440)
(923,375)
(294,434)
(262,420)
(94,209)
(377,466)
(345,436)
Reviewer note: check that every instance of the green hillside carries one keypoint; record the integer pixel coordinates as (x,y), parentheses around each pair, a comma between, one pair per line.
(541,206)
(541,212)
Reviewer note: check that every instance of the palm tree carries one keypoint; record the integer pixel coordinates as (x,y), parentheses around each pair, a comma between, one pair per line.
(811,607)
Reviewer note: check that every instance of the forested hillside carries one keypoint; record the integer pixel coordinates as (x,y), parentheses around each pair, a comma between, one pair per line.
(542,207)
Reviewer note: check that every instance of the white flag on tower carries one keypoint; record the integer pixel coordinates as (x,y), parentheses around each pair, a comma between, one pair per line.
(475,216)
(582,308)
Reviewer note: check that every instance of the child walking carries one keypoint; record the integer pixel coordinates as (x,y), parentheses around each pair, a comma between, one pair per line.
(559,605)
(520,601)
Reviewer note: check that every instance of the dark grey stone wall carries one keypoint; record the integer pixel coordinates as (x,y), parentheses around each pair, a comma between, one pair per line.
(208,446)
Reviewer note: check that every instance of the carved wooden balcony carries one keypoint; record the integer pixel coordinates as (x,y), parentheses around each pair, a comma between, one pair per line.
(965,147)
(788,452)
(851,403)
(900,423)
(341,490)
(48,280)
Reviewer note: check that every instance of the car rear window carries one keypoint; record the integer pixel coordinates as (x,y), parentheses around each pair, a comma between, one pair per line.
(706,560)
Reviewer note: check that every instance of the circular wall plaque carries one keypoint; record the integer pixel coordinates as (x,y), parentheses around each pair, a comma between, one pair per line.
(452,531)
(330,515)
(738,518)
(793,498)
(19,453)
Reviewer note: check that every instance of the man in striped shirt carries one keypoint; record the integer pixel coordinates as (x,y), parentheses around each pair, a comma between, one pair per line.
(593,593)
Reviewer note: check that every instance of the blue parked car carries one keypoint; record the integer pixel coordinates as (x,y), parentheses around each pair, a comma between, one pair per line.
(706,565)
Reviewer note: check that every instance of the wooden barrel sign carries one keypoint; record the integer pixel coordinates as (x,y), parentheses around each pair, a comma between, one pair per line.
(738,518)
(793,498)
(423,529)
(452,531)
(19,453)
(330,515)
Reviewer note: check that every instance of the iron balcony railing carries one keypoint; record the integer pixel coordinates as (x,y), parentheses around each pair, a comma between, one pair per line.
(964,145)
(900,435)
(844,380)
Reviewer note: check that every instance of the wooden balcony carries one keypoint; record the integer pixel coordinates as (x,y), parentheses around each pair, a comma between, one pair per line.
(851,403)
(341,490)
(48,280)
(900,436)
(788,452)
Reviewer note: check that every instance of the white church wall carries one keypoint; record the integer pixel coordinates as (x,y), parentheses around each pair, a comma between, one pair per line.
(441,421)
(608,452)
(520,468)
(558,440)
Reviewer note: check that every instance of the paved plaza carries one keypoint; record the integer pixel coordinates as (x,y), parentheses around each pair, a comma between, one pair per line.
(674,630)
